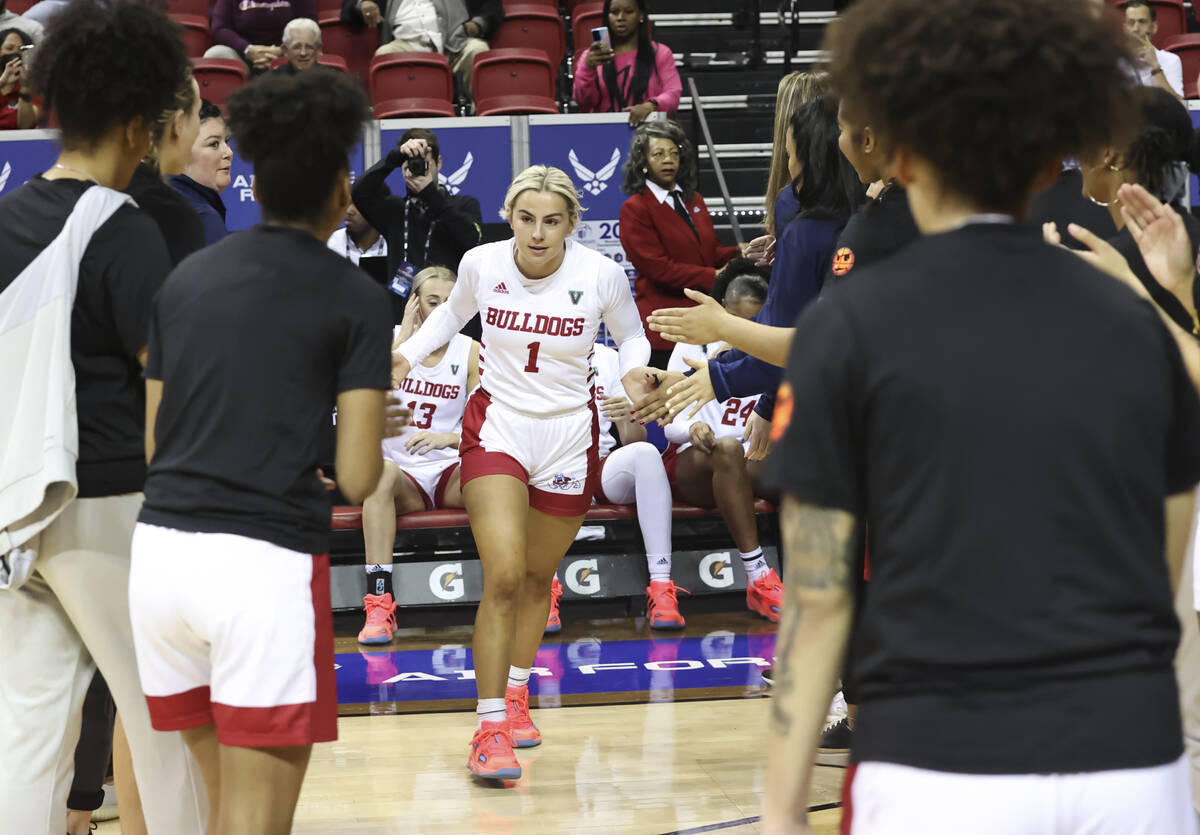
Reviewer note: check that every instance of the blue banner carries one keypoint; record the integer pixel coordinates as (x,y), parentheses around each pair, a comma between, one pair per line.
(23,154)
(476,157)
(241,208)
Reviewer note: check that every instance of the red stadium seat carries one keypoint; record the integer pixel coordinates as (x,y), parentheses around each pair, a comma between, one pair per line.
(1187,47)
(552,5)
(21,6)
(202,8)
(1172,20)
(334,62)
(195,35)
(511,105)
(572,5)
(587,16)
(531,27)
(356,44)
(331,8)
(390,108)
(218,78)
(416,75)
(512,74)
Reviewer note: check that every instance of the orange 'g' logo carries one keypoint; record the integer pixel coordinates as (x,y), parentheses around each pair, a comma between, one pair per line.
(843,261)
(783,412)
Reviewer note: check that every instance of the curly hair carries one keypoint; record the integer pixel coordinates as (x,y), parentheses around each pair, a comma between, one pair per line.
(208,110)
(988,92)
(1163,142)
(297,130)
(634,169)
(102,65)
(732,273)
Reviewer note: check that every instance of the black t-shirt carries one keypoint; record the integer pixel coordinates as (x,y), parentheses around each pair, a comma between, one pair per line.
(1064,204)
(1123,242)
(175,216)
(122,268)
(1007,421)
(877,230)
(254,338)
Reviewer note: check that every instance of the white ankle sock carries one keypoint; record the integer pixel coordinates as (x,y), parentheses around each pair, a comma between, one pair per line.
(660,567)
(489,710)
(756,565)
(372,568)
(518,676)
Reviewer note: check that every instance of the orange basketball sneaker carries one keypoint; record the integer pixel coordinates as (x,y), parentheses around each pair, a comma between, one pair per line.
(554,622)
(492,754)
(765,596)
(662,605)
(381,619)
(516,713)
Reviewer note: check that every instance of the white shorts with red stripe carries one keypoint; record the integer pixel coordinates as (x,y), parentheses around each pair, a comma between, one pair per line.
(233,631)
(556,456)
(430,478)
(888,799)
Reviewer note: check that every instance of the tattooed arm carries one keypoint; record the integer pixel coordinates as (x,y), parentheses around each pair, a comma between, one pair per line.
(821,547)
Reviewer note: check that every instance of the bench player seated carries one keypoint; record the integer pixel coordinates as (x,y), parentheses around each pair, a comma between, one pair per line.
(706,461)
(420,467)
(631,473)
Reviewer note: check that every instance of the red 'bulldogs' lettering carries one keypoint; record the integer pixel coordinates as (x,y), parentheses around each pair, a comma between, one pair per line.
(515,320)
(424,388)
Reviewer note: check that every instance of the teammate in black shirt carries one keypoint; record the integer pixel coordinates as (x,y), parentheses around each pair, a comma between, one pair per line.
(252,342)
(1007,422)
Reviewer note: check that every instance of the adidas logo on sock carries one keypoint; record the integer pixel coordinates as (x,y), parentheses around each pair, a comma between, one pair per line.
(661,561)
(500,288)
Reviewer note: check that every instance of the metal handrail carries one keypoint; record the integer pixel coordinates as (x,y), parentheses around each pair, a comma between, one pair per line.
(698,110)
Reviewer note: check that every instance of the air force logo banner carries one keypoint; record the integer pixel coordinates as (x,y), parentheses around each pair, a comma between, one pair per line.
(20,159)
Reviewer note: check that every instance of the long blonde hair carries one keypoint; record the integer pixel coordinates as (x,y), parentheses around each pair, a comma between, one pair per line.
(543,178)
(185,99)
(795,89)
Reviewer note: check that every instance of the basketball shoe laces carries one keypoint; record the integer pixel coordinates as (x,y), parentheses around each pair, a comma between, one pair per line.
(486,739)
(377,610)
(669,591)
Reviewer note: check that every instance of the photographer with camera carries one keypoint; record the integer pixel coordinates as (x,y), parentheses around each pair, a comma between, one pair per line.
(17,110)
(427,226)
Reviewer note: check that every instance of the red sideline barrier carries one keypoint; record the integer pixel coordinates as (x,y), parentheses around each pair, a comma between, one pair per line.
(349,518)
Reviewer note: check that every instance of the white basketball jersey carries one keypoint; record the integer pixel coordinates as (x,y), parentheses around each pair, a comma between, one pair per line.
(535,354)
(438,398)
(727,418)
(606,366)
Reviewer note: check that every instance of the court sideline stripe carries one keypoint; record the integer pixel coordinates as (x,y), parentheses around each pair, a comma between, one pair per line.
(713,827)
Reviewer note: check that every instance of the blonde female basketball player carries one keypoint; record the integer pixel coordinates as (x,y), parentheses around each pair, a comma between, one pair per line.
(529,462)
(420,467)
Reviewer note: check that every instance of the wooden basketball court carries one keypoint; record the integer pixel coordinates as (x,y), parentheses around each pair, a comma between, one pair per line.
(643,732)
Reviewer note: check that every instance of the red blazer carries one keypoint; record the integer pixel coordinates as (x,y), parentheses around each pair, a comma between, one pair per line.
(667,256)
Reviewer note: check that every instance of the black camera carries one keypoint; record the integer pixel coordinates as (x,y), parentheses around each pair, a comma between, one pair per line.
(417,166)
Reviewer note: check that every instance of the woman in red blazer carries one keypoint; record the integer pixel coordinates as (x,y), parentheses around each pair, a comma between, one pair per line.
(669,253)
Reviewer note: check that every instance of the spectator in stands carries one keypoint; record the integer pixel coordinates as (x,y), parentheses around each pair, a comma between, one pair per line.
(358,239)
(251,31)
(206,174)
(666,230)
(17,108)
(12,20)
(1154,67)
(301,45)
(426,227)
(171,139)
(794,90)
(108,71)
(1156,160)
(455,28)
(635,75)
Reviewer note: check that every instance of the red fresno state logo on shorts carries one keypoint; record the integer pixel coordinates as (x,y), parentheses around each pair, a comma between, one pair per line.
(843,261)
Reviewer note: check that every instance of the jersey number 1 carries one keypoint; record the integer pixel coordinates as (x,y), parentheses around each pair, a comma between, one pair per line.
(531,366)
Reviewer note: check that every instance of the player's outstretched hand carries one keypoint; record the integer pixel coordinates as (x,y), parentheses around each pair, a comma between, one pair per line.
(697,325)
(396,415)
(695,390)
(616,408)
(648,388)
(758,433)
(759,248)
(1099,253)
(1161,237)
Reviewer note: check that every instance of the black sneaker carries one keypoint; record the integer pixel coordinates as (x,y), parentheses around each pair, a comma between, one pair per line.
(768,675)
(835,744)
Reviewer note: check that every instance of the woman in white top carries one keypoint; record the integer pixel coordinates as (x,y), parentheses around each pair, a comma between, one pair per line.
(420,466)
(529,443)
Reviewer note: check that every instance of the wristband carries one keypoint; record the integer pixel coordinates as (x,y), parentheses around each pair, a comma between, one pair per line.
(24,96)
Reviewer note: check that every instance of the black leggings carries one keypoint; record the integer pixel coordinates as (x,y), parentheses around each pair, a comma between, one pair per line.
(93,753)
